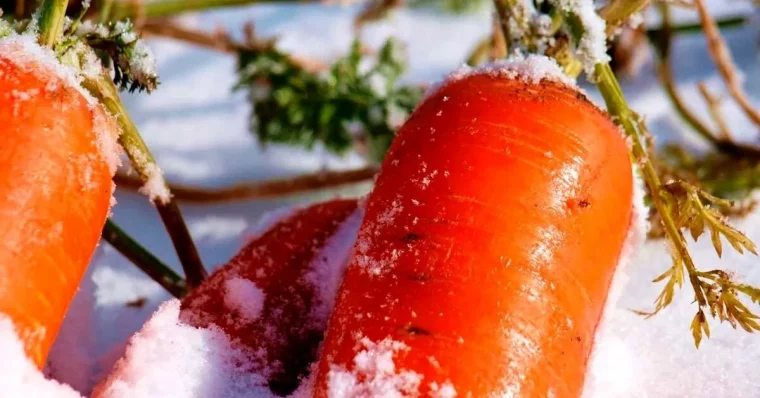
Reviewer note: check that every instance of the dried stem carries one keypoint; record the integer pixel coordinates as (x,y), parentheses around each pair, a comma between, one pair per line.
(142,160)
(220,41)
(143,259)
(664,68)
(161,8)
(713,106)
(724,62)
(257,189)
(52,14)
(502,13)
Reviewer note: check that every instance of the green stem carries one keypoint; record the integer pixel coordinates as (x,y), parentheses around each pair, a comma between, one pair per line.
(162,8)
(142,160)
(618,107)
(143,259)
(52,14)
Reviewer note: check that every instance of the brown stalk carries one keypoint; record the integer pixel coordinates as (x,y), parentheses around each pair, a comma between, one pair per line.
(713,106)
(665,73)
(219,41)
(724,62)
(256,189)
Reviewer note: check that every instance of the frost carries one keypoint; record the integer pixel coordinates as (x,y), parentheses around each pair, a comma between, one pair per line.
(592,46)
(244,297)
(374,373)
(19,377)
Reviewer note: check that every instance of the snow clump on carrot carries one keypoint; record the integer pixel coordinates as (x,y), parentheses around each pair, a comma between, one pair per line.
(19,377)
(375,373)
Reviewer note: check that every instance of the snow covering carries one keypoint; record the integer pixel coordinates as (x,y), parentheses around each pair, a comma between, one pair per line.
(168,358)
(199,135)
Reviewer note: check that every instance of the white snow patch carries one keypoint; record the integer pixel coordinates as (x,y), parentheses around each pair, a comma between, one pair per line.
(244,297)
(155,187)
(374,373)
(170,359)
(445,390)
(19,377)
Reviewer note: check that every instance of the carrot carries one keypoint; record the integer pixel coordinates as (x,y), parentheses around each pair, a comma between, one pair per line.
(282,280)
(55,193)
(487,249)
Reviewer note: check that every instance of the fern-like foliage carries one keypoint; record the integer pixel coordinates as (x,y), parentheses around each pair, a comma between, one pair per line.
(350,104)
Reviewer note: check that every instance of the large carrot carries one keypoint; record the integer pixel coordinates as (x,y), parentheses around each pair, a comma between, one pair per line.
(275,295)
(487,248)
(55,191)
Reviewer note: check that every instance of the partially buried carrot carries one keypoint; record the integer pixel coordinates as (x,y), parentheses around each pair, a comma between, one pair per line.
(55,190)
(488,245)
(275,295)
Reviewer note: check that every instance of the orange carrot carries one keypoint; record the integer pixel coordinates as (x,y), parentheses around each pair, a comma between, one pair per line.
(55,194)
(287,272)
(487,249)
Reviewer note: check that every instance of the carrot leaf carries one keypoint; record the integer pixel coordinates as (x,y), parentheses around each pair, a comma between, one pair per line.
(343,108)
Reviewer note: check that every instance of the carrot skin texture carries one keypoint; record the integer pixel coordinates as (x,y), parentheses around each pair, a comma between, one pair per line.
(489,242)
(277,263)
(55,196)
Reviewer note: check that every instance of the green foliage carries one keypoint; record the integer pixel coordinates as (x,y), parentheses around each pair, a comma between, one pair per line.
(343,107)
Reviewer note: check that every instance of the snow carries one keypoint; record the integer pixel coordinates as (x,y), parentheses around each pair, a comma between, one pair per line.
(20,378)
(244,297)
(374,373)
(155,186)
(199,135)
(168,358)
